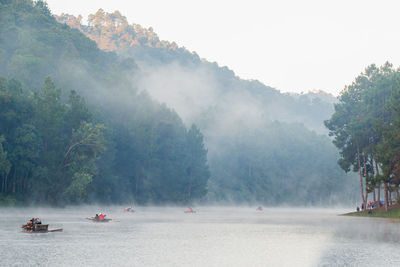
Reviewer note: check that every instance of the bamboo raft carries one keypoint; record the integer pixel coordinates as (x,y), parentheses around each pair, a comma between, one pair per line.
(40,228)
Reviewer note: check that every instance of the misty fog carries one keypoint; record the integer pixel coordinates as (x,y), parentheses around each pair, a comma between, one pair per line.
(238,115)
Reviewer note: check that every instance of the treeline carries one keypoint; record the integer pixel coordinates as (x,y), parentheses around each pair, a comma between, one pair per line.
(366,129)
(57,152)
(112,31)
(48,148)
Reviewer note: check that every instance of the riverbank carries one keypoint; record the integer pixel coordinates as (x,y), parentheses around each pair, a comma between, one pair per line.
(393,212)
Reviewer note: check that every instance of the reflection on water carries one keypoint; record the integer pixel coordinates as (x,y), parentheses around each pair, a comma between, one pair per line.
(214,236)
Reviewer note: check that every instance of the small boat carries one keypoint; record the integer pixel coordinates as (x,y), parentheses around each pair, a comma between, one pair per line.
(259,208)
(100,217)
(189,210)
(129,209)
(39,228)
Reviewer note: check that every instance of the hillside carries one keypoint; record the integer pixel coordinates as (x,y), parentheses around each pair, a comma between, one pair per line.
(195,85)
(256,140)
(145,147)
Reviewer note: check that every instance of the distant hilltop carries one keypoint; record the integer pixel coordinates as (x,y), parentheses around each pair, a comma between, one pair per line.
(111,31)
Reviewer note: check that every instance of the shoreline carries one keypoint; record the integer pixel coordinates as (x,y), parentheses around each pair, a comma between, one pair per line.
(393,212)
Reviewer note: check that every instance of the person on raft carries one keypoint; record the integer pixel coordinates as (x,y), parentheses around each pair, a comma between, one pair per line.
(189,210)
(29,225)
(99,217)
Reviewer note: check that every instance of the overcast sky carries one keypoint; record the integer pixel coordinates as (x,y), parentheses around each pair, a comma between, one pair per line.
(292,45)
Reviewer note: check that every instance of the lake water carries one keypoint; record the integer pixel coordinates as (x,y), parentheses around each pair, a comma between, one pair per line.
(214,236)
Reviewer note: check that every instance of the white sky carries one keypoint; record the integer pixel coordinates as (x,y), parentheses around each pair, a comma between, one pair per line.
(287,44)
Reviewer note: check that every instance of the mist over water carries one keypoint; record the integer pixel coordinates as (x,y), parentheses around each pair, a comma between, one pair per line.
(214,236)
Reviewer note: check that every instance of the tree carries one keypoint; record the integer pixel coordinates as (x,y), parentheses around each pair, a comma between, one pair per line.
(197,169)
(49,120)
(87,144)
(363,128)
(5,166)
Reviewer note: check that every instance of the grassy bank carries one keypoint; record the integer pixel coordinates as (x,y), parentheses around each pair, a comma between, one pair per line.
(393,212)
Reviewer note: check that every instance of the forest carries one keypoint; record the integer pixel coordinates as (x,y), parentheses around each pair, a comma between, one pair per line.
(366,130)
(107,112)
(51,150)
(58,149)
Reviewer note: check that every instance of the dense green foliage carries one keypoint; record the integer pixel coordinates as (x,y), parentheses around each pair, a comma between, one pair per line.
(51,147)
(366,127)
